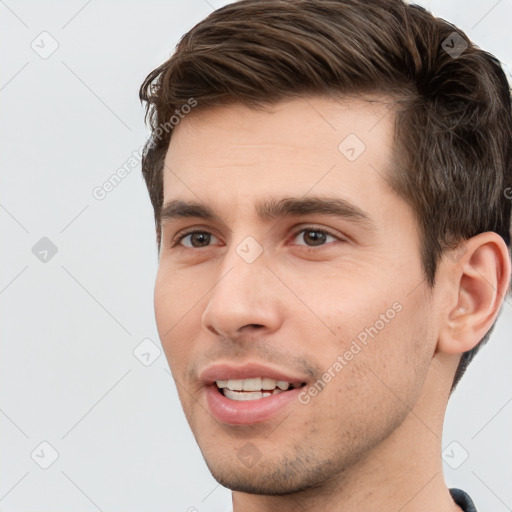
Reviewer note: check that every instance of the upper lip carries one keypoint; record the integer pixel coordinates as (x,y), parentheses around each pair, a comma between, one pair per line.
(224,371)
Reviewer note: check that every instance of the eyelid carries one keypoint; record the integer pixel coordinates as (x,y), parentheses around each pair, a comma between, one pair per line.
(317,228)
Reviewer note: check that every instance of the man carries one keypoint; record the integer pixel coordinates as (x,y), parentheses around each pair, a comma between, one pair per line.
(329,181)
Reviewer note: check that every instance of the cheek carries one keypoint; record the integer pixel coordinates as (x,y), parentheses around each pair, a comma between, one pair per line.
(397,358)
(383,338)
(176,295)
(173,303)
(377,386)
(164,302)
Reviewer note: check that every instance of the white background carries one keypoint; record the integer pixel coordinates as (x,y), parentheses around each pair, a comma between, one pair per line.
(68,375)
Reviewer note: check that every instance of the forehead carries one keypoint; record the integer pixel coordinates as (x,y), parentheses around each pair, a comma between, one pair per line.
(232,154)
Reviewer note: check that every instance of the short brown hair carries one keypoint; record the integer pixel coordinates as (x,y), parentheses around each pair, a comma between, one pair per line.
(453,130)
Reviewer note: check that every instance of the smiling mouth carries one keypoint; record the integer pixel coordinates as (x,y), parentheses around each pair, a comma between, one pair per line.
(254,388)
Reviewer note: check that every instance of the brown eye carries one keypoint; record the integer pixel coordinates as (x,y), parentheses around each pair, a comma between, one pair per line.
(314,237)
(197,239)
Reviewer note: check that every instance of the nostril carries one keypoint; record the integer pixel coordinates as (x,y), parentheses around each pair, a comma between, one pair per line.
(251,327)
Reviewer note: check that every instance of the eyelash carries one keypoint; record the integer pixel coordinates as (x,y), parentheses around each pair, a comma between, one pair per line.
(181,236)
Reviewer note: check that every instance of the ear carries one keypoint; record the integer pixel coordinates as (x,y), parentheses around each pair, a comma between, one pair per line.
(479,276)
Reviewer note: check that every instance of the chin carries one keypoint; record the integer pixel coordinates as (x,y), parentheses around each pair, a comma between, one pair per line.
(259,483)
(272,477)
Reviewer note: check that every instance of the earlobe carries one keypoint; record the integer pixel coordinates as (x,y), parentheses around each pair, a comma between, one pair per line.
(479,282)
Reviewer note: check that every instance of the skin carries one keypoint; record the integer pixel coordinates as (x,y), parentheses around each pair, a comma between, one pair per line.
(371,439)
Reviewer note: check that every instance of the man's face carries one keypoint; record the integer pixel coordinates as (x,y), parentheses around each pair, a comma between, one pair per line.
(335,304)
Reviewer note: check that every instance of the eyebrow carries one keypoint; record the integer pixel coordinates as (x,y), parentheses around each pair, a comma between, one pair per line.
(273,208)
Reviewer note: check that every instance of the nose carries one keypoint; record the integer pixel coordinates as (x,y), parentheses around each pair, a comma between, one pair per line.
(244,298)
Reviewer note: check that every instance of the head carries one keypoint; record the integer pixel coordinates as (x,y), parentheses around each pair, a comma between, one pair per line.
(380,109)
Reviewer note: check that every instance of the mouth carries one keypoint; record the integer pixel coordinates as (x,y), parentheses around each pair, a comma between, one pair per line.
(249,394)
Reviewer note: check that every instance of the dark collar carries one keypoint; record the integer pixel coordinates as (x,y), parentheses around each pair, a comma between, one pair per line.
(463,500)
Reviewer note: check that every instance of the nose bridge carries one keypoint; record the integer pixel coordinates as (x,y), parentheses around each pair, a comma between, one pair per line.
(242,294)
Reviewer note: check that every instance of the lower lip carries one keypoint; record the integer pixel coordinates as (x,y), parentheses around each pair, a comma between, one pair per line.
(247,412)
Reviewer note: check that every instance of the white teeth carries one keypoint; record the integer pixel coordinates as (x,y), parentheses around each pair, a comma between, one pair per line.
(252,384)
(235,384)
(241,396)
(251,395)
(268,383)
